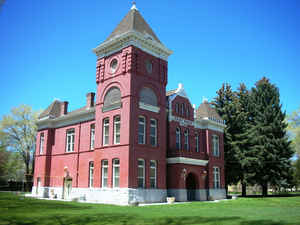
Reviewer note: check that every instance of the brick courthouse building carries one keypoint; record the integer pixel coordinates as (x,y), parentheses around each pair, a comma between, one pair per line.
(134,142)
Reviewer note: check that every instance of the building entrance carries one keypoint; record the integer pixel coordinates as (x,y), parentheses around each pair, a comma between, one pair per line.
(67,187)
(191,186)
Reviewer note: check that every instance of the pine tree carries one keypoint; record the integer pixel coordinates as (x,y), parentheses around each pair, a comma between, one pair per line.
(270,150)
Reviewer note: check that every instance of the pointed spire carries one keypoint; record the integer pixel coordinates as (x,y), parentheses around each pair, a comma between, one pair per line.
(133,7)
(133,21)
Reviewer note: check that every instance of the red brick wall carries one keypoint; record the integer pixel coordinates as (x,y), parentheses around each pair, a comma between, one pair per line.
(176,176)
(181,100)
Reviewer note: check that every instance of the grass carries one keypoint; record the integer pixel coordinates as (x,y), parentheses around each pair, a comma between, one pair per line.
(243,211)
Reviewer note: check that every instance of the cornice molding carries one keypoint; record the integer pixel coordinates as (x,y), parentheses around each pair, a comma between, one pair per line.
(136,39)
(67,120)
(201,124)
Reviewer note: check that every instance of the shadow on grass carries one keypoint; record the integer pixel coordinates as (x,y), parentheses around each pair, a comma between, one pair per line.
(118,219)
(263,222)
(270,196)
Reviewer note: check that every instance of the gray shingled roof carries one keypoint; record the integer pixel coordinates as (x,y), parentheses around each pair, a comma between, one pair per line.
(53,110)
(133,21)
(206,110)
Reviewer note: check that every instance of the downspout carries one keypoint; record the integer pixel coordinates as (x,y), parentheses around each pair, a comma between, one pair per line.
(77,172)
(208,175)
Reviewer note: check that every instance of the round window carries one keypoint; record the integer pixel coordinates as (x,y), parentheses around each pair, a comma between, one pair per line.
(113,65)
(149,66)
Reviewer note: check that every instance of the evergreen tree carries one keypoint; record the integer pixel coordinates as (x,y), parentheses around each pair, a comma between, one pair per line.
(225,104)
(240,140)
(269,150)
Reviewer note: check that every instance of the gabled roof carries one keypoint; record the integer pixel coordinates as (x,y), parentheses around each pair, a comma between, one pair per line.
(205,110)
(133,21)
(53,110)
(168,93)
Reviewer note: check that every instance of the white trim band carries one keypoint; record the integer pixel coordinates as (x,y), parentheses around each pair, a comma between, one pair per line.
(151,108)
(189,161)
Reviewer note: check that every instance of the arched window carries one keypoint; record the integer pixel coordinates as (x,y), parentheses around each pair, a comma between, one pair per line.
(105,131)
(216,150)
(216,176)
(117,128)
(187,112)
(178,138)
(91,174)
(112,99)
(148,97)
(116,173)
(153,132)
(142,130)
(153,173)
(197,142)
(182,109)
(186,139)
(177,108)
(141,173)
(104,173)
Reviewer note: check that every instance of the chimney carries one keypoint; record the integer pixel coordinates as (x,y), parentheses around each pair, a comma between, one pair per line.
(63,108)
(90,99)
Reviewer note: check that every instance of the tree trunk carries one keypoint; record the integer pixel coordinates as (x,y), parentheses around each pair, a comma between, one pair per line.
(265,190)
(28,177)
(226,189)
(33,163)
(244,189)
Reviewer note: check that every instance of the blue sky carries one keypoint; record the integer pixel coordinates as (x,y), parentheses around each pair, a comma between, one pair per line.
(46,46)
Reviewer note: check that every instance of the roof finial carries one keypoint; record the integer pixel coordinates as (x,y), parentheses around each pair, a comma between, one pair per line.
(133,7)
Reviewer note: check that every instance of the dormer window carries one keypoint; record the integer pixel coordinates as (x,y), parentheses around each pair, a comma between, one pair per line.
(182,109)
(177,108)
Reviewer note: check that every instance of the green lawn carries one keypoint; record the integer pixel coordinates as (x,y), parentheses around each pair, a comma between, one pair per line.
(248,211)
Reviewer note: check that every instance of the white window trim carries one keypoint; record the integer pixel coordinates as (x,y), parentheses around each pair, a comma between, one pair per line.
(197,142)
(216,175)
(216,145)
(42,142)
(103,167)
(144,131)
(91,174)
(92,141)
(105,125)
(155,135)
(155,173)
(141,160)
(114,175)
(182,109)
(148,107)
(178,132)
(186,140)
(71,134)
(115,130)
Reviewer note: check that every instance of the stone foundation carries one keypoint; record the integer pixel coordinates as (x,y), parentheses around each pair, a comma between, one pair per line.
(181,194)
(217,194)
(119,196)
(125,196)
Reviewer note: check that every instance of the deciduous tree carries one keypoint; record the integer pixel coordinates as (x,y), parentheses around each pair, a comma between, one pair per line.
(19,129)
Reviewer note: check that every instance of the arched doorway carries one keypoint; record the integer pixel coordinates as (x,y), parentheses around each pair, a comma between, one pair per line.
(191,186)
